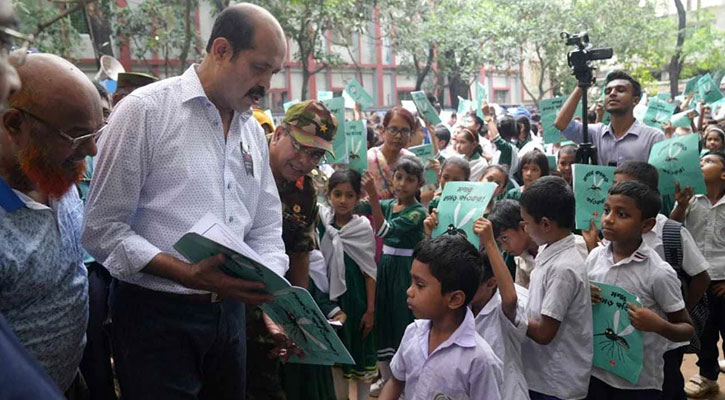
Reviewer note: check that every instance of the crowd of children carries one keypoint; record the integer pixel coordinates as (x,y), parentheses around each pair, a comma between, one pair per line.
(436,318)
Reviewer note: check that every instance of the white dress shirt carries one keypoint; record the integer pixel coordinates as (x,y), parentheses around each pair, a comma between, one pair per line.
(559,289)
(706,223)
(634,145)
(655,283)
(505,338)
(464,367)
(163,163)
(693,262)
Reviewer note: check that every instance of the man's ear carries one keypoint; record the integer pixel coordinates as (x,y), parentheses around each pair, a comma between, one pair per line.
(277,134)
(221,49)
(648,224)
(456,299)
(11,123)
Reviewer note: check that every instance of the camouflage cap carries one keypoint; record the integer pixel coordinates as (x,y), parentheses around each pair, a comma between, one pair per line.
(312,124)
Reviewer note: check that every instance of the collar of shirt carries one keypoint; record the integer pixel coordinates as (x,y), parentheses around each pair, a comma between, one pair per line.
(704,198)
(633,130)
(493,303)
(639,255)
(13,200)
(463,336)
(191,88)
(555,248)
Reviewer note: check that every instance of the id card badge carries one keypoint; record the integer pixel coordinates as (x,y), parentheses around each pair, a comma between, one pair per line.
(247,159)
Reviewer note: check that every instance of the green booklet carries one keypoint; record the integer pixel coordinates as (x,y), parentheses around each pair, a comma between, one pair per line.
(551,158)
(618,346)
(691,85)
(481,97)
(678,160)
(708,90)
(289,104)
(336,106)
(464,106)
(359,94)
(357,146)
(293,308)
(425,153)
(461,204)
(591,184)
(424,107)
(682,119)
(658,112)
(324,95)
(549,108)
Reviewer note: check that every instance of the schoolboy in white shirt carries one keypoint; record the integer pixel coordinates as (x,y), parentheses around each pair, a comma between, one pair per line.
(500,313)
(441,356)
(558,357)
(627,262)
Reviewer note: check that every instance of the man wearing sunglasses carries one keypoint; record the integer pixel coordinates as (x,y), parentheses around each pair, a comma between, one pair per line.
(46,133)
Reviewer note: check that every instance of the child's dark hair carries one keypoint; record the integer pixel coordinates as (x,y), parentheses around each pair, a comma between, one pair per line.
(537,157)
(641,172)
(617,74)
(486,267)
(502,168)
(506,214)
(344,176)
(647,199)
(479,121)
(508,128)
(454,261)
(551,197)
(458,162)
(443,133)
(412,166)
(568,149)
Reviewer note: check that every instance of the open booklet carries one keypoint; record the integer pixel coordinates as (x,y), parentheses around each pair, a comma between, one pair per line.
(293,307)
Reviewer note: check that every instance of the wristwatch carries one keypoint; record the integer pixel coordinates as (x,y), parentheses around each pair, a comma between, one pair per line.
(488,118)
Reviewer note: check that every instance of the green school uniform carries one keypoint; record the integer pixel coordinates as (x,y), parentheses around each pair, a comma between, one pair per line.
(513,194)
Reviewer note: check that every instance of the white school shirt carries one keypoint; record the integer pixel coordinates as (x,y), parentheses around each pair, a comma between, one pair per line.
(525,263)
(163,163)
(505,338)
(655,283)
(706,223)
(559,289)
(464,367)
(693,262)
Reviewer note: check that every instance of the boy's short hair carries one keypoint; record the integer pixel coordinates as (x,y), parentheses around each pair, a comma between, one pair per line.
(442,133)
(718,154)
(506,214)
(551,197)
(641,172)
(454,261)
(568,149)
(647,199)
(486,267)
(617,74)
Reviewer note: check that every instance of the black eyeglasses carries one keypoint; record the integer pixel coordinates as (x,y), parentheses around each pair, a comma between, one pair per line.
(75,142)
(395,131)
(9,39)
(313,153)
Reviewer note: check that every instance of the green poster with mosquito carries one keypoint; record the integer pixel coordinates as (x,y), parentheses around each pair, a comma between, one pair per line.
(481,98)
(682,119)
(359,94)
(549,108)
(464,106)
(618,347)
(424,107)
(357,148)
(658,113)
(591,184)
(336,105)
(708,90)
(461,204)
(425,153)
(678,160)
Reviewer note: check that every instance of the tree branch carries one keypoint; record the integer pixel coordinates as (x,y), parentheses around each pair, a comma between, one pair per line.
(44,25)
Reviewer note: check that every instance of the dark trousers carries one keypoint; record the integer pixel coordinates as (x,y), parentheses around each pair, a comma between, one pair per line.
(540,396)
(96,362)
(599,390)
(673,388)
(167,348)
(707,357)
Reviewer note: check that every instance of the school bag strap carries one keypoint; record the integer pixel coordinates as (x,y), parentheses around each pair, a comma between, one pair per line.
(672,243)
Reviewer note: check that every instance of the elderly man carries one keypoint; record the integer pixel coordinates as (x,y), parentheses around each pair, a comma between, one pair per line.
(625,138)
(47,132)
(174,151)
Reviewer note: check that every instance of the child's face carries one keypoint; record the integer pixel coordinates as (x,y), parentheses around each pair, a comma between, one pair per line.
(496,177)
(405,185)
(622,220)
(713,141)
(425,299)
(464,144)
(530,172)
(563,165)
(343,198)
(536,231)
(451,173)
(712,168)
(514,241)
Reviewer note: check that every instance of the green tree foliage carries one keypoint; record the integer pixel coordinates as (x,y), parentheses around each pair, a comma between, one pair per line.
(61,37)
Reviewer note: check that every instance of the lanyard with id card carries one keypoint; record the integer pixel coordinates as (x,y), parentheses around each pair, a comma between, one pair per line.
(247,159)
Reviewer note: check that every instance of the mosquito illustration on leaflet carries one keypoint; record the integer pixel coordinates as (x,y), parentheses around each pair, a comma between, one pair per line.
(614,341)
(456,227)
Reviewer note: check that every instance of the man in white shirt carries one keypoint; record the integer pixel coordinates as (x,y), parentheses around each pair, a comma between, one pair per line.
(174,151)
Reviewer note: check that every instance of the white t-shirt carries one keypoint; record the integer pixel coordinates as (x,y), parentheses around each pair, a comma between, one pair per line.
(505,338)
(655,283)
(559,289)
(525,262)
(706,223)
(464,367)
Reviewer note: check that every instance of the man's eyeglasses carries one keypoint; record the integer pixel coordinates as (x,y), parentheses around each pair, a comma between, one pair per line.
(15,44)
(395,131)
(75,142)
(313,153)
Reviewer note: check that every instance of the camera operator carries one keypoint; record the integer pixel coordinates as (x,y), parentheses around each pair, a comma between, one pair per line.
(624,138)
